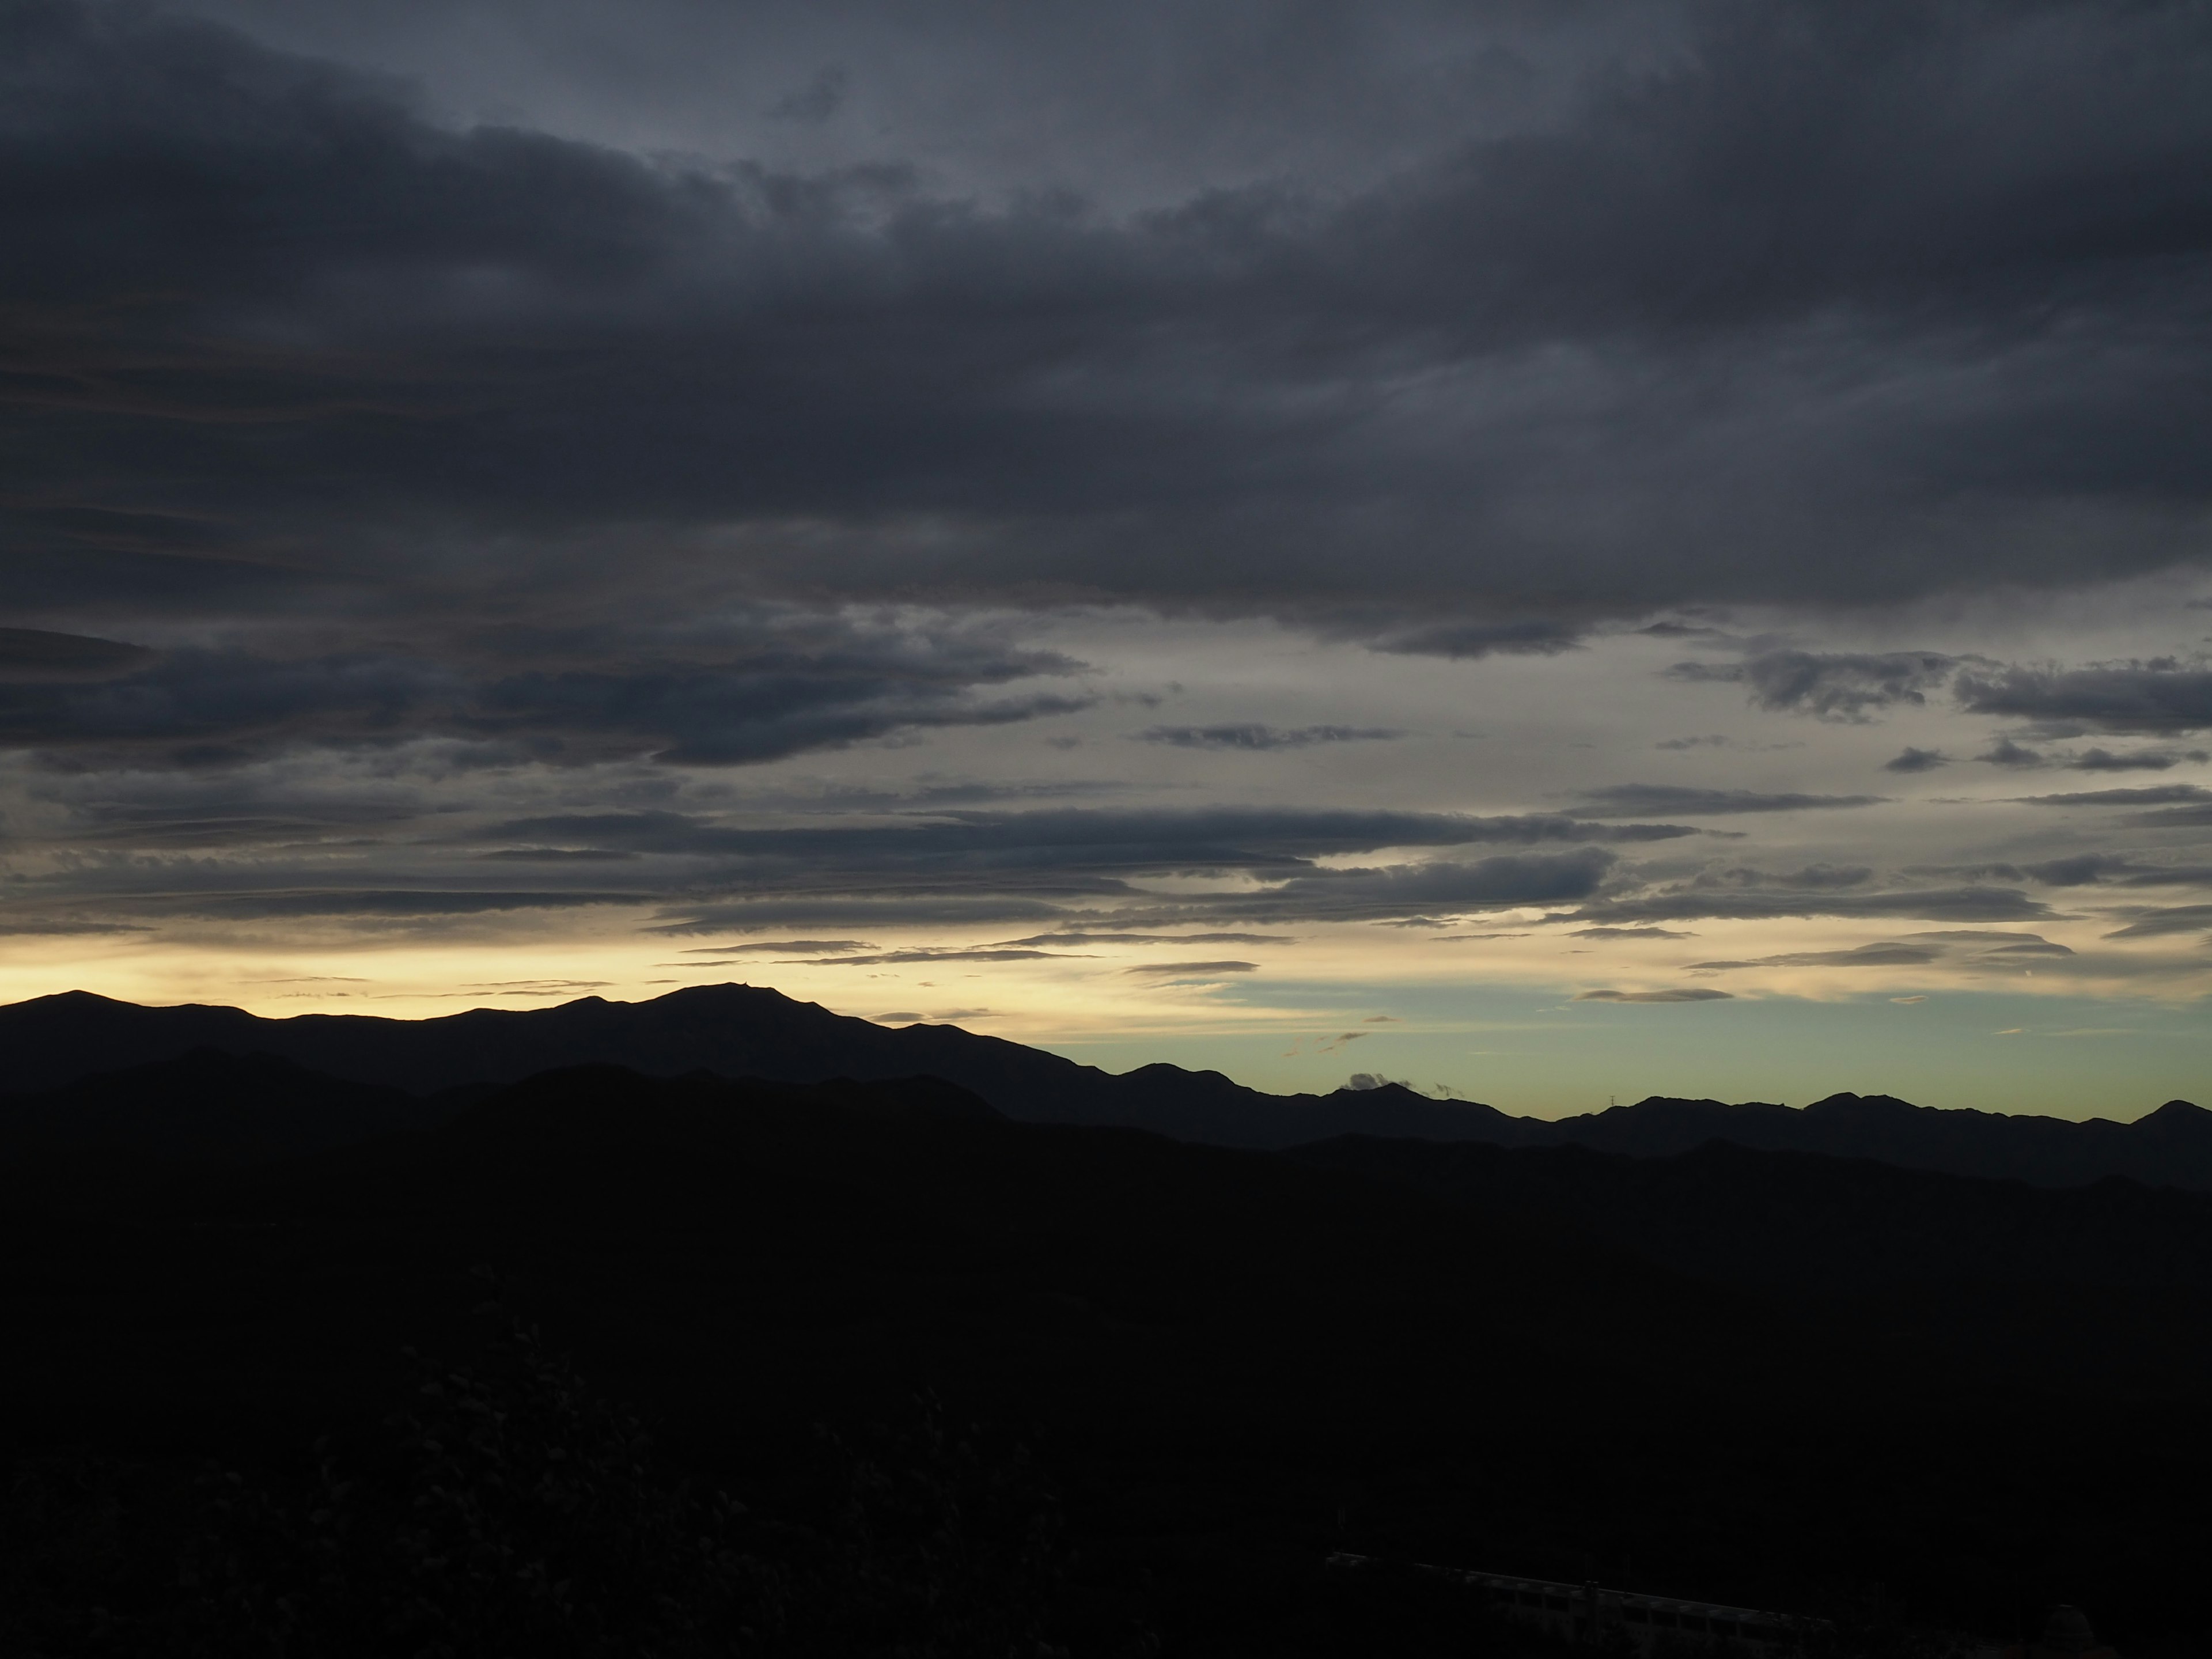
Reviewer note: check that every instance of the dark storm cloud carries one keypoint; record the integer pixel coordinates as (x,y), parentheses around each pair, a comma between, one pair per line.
(335,435)
(34,655)
(1838,686)
(278,327)
(1262,736)
(2158,696)
(1626,800)
(755,688)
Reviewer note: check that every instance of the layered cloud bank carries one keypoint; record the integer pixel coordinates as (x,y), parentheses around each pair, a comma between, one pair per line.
(1445,482)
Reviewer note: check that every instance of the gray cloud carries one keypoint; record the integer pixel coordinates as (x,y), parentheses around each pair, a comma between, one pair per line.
(2172,817)
(1167,969)
(1863,956)
(2005,752)
(2156,696)
(1540,637)
(949,954)
(754,688)
(1916,760)
(2156,795)
(1078,937)
(2134,760)
(31,655)
(1839,686)
(783,947)
(1934,904)
(1654,996)
(2173,919)
(1626,800)
(1262,736)
(1090,840)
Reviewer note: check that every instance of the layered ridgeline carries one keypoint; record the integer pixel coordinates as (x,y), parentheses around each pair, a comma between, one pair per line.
(72,1041)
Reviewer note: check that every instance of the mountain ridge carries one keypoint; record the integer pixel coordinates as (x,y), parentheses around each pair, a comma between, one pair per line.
(750,1031)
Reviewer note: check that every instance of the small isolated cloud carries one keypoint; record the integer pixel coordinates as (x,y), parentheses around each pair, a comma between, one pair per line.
(2005,752)
(1916,760)
(900,1018)
(2135,760)
(1908,1001)
(1543,636)
(1263,736)
(892,958)
(1362,1082)
(1630,800)
(1655,996)
(1831,686)
(1677,744)
(1382,1019)
(1630,932)
(1884,955)
(782,947)
(1080,938)
(1167,968)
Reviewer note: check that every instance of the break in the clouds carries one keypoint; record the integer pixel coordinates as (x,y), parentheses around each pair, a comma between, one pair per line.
(1161,508)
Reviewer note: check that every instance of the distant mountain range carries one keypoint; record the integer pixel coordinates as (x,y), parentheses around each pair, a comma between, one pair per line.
(393,1069)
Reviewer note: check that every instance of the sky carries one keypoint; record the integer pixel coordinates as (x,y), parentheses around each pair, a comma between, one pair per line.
(1551,552)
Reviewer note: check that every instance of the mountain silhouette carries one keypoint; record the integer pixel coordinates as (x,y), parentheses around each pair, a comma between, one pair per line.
(732,1031)
(739,1030)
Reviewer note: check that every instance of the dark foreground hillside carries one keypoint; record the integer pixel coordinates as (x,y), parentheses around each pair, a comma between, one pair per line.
(1168,1380)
